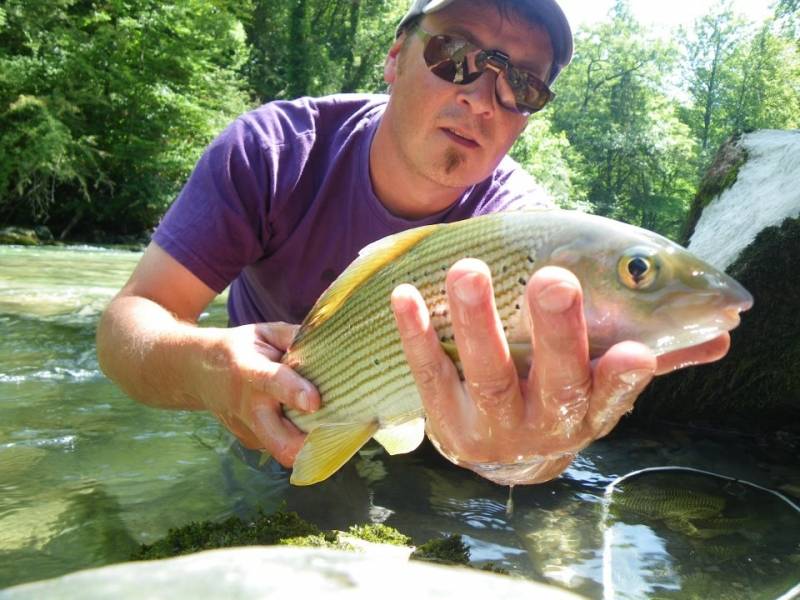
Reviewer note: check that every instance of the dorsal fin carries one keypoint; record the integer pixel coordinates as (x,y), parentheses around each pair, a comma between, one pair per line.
(370,260)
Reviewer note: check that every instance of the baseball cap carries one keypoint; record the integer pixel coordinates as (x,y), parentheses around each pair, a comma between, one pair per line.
(549,11)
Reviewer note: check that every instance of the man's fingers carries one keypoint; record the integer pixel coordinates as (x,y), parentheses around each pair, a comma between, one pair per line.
(277,434)
(437,380)
(282,383)
(241,431)
(561,367)
(278,334)
(489,370)
(695,355)
(621,374)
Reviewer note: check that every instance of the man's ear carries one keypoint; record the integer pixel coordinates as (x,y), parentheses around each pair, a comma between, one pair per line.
(392,57)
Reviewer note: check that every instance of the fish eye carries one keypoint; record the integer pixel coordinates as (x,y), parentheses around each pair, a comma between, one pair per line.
(638,270)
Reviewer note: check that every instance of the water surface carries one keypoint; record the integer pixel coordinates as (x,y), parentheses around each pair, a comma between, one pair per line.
(87,474)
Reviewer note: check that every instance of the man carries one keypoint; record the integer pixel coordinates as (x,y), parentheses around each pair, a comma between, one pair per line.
(283,200)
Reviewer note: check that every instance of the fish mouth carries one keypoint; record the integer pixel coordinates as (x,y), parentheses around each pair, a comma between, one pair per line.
(729,318)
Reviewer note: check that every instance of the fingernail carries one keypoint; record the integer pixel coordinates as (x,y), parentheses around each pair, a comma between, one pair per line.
(557,297)
(469,288)
(634,378)
(303,401)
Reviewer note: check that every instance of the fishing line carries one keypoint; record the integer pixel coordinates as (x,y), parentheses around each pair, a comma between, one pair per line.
(608,582)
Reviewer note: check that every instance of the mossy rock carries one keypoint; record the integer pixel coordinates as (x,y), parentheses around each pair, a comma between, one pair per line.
(288,529)
(206,535)
(449,551)
(756,387)
(19,236)
(721,175)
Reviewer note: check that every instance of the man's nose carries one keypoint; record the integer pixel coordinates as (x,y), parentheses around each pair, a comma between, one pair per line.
(481,94)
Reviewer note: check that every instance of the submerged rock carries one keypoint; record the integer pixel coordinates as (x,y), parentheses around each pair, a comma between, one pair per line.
(752,230)
(282,572)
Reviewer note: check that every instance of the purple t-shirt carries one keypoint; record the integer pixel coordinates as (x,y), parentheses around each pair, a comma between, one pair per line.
(281,202)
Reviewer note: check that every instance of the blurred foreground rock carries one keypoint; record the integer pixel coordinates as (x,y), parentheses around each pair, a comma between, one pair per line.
(287,572)
(746,220)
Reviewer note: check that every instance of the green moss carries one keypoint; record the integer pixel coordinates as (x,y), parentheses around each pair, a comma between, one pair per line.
(450,551)
(379,534)
(287,528)
(494,568)
(206,535)
(329,539)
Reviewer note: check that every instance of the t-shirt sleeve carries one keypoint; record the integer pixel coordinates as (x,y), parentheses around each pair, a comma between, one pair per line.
(218,223)
(514,188)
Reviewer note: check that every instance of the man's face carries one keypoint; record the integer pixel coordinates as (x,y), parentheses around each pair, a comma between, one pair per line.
(455,135)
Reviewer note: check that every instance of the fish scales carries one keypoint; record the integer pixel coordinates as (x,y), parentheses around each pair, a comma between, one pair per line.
(424,266)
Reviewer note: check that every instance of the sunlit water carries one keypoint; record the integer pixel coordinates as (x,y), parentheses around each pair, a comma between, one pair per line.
(87,474)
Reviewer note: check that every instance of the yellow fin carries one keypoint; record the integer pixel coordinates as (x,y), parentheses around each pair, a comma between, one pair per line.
(327,448)
(402,438)
(520,352)
(371,259)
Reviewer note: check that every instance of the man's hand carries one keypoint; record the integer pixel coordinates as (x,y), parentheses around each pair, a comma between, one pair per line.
(245,386)
(523,430)
(149,343)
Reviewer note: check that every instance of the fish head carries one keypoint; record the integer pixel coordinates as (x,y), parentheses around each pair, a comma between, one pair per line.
(642,287)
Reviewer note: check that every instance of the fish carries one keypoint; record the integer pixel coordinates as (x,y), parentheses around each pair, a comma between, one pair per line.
(637,285)
(669,504)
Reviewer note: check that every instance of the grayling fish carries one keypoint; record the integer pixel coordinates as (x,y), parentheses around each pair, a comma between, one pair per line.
(637,286)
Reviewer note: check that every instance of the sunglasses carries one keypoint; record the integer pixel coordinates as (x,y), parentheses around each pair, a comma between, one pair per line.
(458,61)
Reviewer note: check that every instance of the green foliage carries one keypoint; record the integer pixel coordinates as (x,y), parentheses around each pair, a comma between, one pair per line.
(614,109)
(106,105)
(550,159)
(317,47)
(740,79)
(109,105)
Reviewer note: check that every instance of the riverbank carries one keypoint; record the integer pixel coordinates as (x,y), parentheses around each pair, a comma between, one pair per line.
(42,236)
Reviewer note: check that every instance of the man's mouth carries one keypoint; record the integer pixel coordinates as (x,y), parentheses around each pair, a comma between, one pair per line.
(461,137)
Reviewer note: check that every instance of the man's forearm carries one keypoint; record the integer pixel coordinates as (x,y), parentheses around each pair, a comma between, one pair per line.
(154,357)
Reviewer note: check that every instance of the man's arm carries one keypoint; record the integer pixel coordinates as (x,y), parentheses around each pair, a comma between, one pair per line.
(524,430)
(149,343)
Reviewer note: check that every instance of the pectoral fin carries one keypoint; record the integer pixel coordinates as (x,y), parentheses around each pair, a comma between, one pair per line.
(327,448)
(521,353)
(402,438)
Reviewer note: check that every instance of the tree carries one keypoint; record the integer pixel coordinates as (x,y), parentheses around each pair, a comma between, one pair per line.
(714,42)
(552,162)
(765,85)
(317,47)
(107,104)
(613,108)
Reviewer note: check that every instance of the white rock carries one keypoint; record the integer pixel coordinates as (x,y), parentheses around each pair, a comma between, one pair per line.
(766,192)
(283,572)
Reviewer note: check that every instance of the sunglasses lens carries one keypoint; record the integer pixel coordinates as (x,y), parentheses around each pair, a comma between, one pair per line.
(457,61)
(449,58)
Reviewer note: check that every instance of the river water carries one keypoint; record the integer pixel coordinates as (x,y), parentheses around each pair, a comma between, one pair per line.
(87,474)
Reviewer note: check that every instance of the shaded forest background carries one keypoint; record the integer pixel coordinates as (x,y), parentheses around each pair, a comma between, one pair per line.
(105,105)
